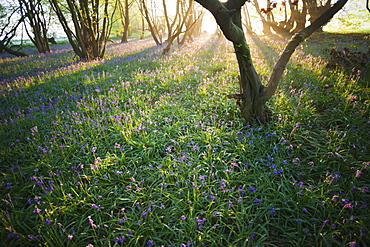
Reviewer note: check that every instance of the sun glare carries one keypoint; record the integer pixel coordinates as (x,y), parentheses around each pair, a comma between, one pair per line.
(209,24)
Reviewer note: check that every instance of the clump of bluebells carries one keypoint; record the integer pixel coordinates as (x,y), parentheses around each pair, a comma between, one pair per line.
(142,149)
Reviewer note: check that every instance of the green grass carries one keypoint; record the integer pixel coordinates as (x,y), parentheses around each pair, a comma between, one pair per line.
(141,149)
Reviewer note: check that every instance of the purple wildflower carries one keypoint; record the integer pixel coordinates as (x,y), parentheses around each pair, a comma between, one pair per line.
(352,244)
(13,235)
(212,197)
(252,189)
(119,239)
(348,205)
(358,173)
(96,207)
(37,210)
(200,220)
(278,171)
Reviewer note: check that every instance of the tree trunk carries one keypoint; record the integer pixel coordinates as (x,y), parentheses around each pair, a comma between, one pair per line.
(152,26)
(91,31)
(182,19)
(299,17)
(316,9)
(35,14)
(142,34)
(266,26)
(125,20)
(252,105)
(253,94)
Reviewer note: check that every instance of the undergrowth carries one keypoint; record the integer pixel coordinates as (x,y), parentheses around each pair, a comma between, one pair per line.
(143,149)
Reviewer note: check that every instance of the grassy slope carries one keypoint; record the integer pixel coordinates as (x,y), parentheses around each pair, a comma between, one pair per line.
(142,148)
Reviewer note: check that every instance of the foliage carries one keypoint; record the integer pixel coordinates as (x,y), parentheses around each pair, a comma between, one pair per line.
(142,149)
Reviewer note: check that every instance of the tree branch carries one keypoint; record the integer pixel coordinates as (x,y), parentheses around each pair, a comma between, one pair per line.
(279,68)
(10,51)
(223,16)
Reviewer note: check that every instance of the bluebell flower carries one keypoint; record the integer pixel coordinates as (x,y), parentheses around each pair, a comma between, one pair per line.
(119,239)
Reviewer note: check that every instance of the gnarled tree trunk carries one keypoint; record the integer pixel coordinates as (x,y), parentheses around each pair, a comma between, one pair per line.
(254,95)
(315,9)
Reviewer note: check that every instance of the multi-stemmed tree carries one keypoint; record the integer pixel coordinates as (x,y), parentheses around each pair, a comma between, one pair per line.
(254,94)
(35,15)
(92,25)
(183,20)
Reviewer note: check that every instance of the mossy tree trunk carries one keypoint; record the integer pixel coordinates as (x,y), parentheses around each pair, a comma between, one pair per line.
(254,94)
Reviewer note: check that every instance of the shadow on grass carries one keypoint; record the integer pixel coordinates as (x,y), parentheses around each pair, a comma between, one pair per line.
(33,102)
(321,98)
(39,95)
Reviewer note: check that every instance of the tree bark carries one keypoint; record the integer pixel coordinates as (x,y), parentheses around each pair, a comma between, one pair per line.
(175,28)
(315,9)
(152,26)
(91,32)
(279,68)
(10,51)
(34,12)
(125,19)
(253,94)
